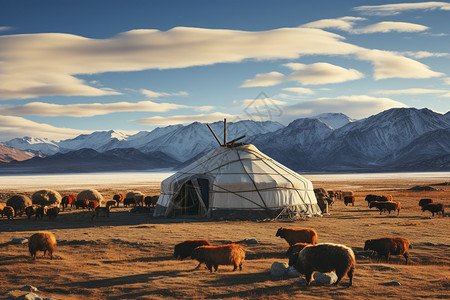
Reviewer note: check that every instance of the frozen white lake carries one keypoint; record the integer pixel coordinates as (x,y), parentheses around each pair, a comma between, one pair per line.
(146,179)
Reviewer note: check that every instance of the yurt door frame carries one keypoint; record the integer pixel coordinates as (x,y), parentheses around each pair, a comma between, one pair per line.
(193,193)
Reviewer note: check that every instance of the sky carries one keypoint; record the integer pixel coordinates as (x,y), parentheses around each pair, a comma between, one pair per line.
(73,67)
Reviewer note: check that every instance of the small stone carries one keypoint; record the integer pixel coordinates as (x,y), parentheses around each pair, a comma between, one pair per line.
(249,241)
(19,241)
(278,269)
(29,288)
(30,296)
(292,272)
(392,283)
(328,278)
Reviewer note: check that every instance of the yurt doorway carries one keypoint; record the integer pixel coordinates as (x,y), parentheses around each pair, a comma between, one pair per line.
(192,198)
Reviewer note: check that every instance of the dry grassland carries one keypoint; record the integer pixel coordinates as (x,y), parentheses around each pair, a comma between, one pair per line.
(130,256)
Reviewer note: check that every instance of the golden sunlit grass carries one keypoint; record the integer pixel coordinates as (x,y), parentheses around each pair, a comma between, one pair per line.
(130,256)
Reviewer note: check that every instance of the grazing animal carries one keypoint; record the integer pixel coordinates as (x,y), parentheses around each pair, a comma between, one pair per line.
(31,210)
(371,198)
(83,203)
(139,199)
(92,205)
(118,198)
(100,210)
(296,248)
(386,206)
(184,249)
(40,212)
(349,200)
(347,193)
(42,241)
(67,200)
(52,212)
(129,201)
(213,256)
(110,204)
(151,201)
(325,258)
(388,246)
(8,211)
(437,208)
(2,206)
(322,201)
(423,202)
(293,236)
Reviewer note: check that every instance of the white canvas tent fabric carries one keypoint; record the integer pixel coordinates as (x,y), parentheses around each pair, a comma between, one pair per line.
(236,179)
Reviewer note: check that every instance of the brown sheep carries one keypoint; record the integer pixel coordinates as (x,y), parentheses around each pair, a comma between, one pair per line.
(296,248)
(83,203)
(31,210)
(388,246)
(52,212)
(68,200)
(231,254)
(8,211)
(437,208)
(325,258)
(110,204)
(386,206)
(101,210)
(40,212)
(370,198)
(2,206)
(129,201)
(92,205)
(347,193)
(293,236)
(42,241)
(349,200)
(118,198)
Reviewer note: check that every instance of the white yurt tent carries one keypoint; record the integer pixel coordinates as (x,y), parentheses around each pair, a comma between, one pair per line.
(236,180)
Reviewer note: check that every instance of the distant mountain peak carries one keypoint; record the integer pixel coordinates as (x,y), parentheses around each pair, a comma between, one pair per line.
(334,120)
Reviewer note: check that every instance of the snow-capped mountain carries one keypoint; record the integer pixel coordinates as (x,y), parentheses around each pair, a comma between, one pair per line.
(99,140)
(35,145)
(334,120)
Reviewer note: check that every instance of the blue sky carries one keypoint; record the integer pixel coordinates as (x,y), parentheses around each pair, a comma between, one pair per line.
(73,67)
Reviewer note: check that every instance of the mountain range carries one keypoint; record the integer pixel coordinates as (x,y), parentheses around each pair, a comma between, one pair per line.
(397,139)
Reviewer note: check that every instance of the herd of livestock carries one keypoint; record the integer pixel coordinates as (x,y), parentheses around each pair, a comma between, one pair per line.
(305,255)
(384,203)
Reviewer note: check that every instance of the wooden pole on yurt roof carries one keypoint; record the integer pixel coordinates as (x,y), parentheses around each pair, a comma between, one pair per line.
(215,136)
(225,131)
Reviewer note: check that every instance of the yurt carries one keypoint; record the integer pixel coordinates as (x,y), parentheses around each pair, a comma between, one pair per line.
(234,180)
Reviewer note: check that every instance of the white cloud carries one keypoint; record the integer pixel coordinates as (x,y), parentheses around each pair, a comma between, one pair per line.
(184,119)
(356,106)
(423,54)
(446,80)
(412,91)
(12,127)
(152,94)
(299,91)
(344,23)
(5,28)
(35,65)
(267,79)
(261,102)
(86,110)
(390,26)
(389,65)
(322,73)
(395,9)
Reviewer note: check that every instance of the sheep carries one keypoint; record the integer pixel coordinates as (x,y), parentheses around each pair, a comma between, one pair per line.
(31,210)
(151,201)
(296,248)
(68,200)
(83,203)
(387,246)
(293,236)
(129,201)
(325,258)
(42,241)
(370,198)
(347,193)
(386,206)
(423,202)
(8,211)
(118,198)
(2,206)
(101,210)
(184,249)
(110,204)
(40,212)
(52,212)
(349,199)
(92,205)
(434,208)
(231,254)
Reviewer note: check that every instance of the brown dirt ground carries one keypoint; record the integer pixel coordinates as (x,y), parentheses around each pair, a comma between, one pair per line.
(130,256)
